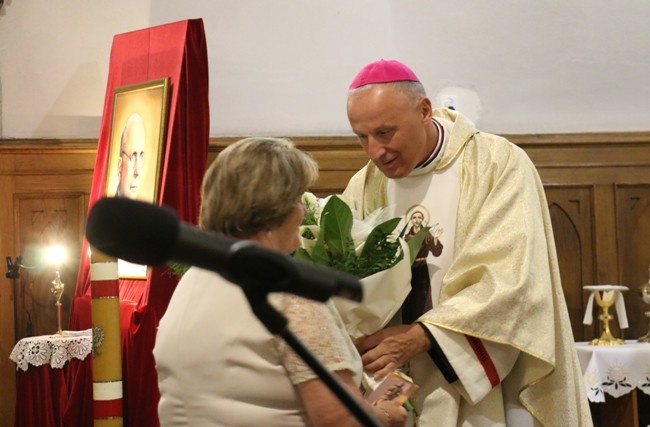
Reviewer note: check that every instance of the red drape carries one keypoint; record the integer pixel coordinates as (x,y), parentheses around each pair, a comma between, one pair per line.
(47,390)
(177,50)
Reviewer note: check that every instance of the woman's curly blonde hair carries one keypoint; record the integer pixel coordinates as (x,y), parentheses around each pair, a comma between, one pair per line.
(253,185)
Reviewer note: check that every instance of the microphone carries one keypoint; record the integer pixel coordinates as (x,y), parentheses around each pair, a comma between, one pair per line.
(144,233)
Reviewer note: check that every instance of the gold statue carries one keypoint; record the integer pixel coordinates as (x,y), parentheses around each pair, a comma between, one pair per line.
(55,255)
(57,289)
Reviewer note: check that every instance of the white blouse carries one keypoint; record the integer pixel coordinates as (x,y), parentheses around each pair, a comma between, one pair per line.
(219,366)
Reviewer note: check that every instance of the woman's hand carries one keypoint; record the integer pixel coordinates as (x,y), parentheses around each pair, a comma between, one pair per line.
(390,414)
(324,409)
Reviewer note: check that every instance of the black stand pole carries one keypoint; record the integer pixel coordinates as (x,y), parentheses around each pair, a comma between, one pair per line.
(276,323)
(13,273)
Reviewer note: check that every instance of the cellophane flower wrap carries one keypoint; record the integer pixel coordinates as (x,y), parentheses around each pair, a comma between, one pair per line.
(333,235)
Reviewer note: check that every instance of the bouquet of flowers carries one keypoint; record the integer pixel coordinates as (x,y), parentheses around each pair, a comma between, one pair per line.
(371,249)
(334,236)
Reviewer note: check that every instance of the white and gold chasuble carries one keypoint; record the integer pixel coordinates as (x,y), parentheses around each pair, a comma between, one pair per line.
(498,284)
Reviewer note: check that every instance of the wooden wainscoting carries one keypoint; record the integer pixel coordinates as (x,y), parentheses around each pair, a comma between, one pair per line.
(338,159)
(597,186)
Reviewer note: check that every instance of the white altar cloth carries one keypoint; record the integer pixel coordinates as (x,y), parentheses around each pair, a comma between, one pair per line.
(54,349)
(614,370)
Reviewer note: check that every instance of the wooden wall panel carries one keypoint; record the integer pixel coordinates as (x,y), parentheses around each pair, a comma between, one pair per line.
(7,304)
(570,209)
(633,226)
(42,220)
(605,244)
(338,159)
(45,191)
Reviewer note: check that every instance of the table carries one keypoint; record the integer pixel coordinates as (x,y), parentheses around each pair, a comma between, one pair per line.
(43,375)
(618,371)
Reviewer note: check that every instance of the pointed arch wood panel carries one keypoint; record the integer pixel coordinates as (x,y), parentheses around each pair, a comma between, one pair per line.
(633,225)
(571,215)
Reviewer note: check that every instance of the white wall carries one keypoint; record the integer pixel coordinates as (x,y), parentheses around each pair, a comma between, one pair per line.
(281,67)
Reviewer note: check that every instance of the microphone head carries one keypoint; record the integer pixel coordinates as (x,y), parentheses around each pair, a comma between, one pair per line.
(132,230)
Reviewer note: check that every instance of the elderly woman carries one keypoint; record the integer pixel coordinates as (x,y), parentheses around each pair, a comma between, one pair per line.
(217,364)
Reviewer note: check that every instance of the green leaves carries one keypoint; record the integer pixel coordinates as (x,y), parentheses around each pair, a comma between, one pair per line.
(379,235)
(334,246)
(177,268)
(336,229)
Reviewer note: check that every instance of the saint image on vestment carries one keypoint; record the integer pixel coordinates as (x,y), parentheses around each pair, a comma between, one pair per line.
(419,299)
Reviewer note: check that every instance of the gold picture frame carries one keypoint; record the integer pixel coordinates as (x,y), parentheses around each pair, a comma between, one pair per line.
(135,149)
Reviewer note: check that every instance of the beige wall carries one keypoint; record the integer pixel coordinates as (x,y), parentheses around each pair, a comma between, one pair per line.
(282,67)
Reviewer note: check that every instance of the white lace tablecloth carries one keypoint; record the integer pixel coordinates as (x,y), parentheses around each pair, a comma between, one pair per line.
(615,370)
(55,349)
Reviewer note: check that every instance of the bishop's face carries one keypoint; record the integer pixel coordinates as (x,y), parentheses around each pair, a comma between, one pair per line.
(391,127)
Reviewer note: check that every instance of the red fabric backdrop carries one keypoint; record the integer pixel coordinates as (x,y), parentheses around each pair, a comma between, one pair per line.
(176,50)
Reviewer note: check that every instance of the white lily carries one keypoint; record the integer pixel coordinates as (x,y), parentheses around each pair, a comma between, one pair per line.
(361,228)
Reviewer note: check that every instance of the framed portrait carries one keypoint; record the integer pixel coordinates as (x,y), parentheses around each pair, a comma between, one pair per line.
(137,139)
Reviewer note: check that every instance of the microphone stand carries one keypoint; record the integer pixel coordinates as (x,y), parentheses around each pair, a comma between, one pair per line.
(276,323)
